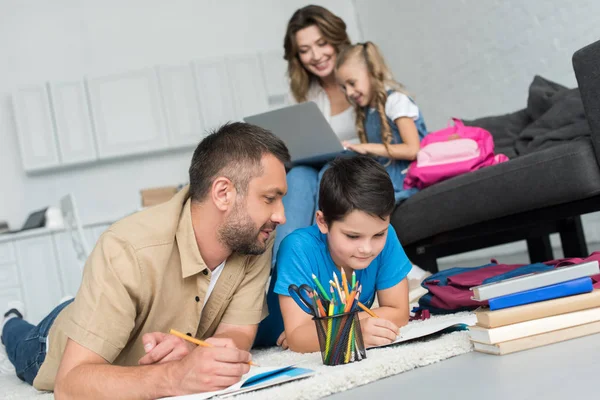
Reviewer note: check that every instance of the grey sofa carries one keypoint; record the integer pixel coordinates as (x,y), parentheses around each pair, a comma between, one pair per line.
(544,188)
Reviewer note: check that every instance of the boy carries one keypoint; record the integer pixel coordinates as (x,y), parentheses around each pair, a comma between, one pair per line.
(353,232)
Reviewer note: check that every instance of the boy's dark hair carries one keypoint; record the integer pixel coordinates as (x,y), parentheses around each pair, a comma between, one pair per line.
(357,183)
(234,150)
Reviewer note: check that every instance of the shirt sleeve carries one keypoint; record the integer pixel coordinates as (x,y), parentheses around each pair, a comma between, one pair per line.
(293,264)
(103,314)
(398,105)
(394,264)
(248,305)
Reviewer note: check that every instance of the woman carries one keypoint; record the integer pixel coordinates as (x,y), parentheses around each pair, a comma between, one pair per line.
(312,41)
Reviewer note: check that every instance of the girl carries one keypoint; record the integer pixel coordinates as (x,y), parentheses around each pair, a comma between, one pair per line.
(389,124)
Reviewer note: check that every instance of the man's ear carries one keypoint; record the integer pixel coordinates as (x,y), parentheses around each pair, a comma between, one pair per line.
(321,222)
(223,193)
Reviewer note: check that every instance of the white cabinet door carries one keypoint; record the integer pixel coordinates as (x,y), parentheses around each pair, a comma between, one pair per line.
(35,128)
(42,287)
(127,113)
(215,93)
(248,86)
(70,268)
(182,107)
(93,234)
(73,122)
(275,73)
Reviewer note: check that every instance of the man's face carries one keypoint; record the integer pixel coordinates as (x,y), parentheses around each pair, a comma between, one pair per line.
(256,214)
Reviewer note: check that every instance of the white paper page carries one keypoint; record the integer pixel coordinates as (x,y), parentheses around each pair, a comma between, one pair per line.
(419,330)
(207,395)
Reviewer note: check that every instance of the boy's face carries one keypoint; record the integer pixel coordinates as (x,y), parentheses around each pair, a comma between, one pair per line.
(356,240)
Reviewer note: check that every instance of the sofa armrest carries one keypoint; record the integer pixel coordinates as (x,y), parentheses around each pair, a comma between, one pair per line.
(586,64)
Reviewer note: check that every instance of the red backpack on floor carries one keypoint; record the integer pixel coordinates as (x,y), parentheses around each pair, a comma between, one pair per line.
(448,290)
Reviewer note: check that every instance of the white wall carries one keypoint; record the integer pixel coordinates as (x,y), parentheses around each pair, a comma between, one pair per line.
(68,39)
(474,58)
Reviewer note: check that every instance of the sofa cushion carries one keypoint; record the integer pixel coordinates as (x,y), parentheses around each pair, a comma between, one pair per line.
(552,176)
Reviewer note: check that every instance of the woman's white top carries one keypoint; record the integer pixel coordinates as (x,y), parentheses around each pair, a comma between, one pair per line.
(343,124)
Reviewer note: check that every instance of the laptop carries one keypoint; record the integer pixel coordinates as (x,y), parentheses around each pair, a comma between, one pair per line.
(305,131)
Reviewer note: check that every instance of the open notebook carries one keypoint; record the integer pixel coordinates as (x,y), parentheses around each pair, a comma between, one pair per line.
(428,330)
(257,378)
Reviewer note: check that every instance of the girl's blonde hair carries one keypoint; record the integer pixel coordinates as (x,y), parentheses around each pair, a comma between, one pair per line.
(333,29)
(381,80)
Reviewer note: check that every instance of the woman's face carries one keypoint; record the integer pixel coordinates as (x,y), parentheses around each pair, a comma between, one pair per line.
(315,53)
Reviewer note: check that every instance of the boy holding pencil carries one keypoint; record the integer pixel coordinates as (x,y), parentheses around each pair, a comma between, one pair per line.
(352,240)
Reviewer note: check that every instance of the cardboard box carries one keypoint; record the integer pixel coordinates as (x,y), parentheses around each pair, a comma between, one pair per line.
(154,196)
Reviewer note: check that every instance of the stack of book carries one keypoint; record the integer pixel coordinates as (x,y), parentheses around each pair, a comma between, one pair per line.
(536,310)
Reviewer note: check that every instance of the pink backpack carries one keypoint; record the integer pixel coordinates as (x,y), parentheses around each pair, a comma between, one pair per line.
(450,152)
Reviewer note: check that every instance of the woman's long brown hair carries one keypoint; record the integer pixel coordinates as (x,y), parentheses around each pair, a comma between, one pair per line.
(333,29)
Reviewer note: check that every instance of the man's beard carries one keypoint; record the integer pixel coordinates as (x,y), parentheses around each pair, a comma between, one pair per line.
(240,235)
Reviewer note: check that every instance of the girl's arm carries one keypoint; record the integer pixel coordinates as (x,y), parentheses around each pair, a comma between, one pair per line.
(402,151)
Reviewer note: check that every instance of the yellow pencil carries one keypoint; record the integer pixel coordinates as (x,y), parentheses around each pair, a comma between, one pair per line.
(367,310)
(328,338)
(345,283)
(200,343)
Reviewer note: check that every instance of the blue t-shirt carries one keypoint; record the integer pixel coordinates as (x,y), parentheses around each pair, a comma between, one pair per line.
(304,252)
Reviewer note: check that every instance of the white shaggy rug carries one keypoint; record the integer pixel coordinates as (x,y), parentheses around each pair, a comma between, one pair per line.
(380,363)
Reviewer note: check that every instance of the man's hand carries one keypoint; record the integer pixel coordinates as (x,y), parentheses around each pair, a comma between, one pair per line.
(207,369)
(282,341)
(378,331)
(161,347)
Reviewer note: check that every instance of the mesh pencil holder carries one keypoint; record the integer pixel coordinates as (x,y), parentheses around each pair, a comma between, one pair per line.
(340,339)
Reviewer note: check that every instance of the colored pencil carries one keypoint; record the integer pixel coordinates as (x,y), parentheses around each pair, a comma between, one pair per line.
(323,293)
(353,279)
(337,284)
(199,342)
(367,310)
(345,283)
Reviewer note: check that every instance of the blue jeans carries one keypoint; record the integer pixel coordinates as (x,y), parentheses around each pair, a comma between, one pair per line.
(26,344)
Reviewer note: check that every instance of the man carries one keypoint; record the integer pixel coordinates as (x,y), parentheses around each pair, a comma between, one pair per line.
(197,263)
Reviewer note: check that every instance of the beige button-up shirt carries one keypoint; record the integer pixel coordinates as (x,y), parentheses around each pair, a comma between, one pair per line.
(146,274)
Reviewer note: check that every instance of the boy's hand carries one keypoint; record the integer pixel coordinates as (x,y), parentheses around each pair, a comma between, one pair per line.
(378,331)
(282,341)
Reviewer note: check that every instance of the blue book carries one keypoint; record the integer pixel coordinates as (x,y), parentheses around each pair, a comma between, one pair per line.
(564,289)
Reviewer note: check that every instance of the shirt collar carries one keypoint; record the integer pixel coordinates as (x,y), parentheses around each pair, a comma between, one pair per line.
(191,260)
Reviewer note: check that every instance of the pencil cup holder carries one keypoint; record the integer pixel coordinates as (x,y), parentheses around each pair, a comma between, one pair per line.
(340,339)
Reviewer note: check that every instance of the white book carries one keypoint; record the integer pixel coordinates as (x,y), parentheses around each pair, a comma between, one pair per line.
(543,339)
(257,378)
(427,328)
(534,280)
(533,327)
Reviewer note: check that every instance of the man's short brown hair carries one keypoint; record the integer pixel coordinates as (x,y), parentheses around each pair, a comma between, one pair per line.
(235,151)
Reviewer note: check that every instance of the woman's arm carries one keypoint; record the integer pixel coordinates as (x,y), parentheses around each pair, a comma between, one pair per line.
(407,150)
